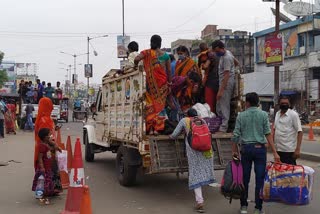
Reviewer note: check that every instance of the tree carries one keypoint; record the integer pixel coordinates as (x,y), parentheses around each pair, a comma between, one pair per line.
(3,73)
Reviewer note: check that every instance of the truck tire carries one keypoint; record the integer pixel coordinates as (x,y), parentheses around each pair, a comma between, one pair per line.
(89,154)
(126,173)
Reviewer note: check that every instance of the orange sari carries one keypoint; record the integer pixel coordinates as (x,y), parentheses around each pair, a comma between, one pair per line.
(43,120)
(157,90)
(182,69)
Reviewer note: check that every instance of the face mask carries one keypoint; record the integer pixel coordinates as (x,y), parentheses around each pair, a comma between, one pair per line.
(181,57)
(284,107)
(220,53)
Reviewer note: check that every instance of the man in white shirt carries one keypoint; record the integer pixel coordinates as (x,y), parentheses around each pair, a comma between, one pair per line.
(288,133)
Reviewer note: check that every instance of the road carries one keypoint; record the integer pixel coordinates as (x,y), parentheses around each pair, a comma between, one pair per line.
(154,193)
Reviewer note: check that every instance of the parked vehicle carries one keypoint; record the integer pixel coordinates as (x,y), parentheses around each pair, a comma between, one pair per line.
(304,118)
(55,112)
(118,126)
(64,107)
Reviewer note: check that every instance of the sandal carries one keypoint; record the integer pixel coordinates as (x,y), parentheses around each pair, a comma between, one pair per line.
(199,208)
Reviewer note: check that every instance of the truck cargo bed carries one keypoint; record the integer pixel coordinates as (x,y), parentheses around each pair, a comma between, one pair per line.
(169,155)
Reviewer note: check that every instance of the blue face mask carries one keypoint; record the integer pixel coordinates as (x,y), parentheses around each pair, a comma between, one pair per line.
(220,53)
(181,57)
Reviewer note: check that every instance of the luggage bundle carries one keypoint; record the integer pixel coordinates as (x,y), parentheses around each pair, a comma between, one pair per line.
(286,183)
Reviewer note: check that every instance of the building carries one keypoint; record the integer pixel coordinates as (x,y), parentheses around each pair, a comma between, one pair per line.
(300,72)
(181,42)
(209,32)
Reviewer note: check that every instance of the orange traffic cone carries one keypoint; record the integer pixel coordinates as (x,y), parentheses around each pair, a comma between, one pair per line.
(69,149)
(75,190)
(311,135)
(59,143)
(86,201)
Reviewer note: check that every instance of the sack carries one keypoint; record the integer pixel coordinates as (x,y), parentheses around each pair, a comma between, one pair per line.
(232,181)
(199,136)
(285,183)
(62,159)
(203,110)
(213,123)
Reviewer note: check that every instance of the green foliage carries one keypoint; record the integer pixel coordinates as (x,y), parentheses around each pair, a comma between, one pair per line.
(1,56)
(3,77)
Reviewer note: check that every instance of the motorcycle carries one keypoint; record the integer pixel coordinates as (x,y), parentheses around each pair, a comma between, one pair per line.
(304,118)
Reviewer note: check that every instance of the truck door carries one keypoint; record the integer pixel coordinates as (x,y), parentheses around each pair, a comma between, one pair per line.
(99,118)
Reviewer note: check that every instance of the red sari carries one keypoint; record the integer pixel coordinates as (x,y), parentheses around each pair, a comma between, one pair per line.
(10,118)
(43,120)
(157,91)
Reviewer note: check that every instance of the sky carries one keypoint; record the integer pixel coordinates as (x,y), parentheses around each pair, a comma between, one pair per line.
(36,31)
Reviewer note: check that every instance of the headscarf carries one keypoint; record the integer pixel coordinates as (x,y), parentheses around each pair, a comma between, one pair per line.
(43,120)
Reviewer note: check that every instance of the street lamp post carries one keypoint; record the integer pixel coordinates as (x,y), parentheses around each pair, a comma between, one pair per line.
(68,69)
(74,62)
(88,60)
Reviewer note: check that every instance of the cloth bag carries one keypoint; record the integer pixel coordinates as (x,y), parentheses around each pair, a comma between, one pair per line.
(203,110)
(285,183)
(213,123)
(62,159)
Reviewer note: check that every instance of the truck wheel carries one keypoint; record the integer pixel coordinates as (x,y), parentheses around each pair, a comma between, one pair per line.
(125,172)
(89,154)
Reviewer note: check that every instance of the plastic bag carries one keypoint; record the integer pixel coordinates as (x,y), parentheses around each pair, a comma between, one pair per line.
(285,183)
(310,174)
(62,159)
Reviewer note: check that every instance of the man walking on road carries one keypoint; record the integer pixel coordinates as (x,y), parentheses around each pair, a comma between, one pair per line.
(226,82)
(251,130)
(288,133)
(29,122)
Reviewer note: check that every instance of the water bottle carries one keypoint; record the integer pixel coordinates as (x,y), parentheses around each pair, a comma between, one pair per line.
(40,187)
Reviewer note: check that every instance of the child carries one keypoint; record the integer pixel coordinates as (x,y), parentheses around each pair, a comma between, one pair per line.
(47,166)
(133,49)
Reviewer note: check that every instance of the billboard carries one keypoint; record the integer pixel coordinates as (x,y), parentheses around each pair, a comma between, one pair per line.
(273,49)
(26,68)
(88,70)
(9,68)
(122,44)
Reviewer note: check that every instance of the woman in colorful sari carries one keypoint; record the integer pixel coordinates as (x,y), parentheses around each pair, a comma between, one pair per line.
(44,120)
(158,77)
(10,118)
(184,66)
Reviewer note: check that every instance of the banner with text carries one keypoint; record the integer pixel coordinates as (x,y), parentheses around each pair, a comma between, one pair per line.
(273,50)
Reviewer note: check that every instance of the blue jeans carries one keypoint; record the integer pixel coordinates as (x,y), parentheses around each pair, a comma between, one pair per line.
(29,122)
(257,154)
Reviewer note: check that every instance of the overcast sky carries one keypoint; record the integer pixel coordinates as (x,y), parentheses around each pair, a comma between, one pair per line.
(37,30)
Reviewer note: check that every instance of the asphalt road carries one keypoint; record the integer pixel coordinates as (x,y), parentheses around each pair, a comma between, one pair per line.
(153,194)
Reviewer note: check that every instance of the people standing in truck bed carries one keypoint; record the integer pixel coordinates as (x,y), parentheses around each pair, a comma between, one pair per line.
(184,66)
(211,79)
(226,82)
(158,77)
